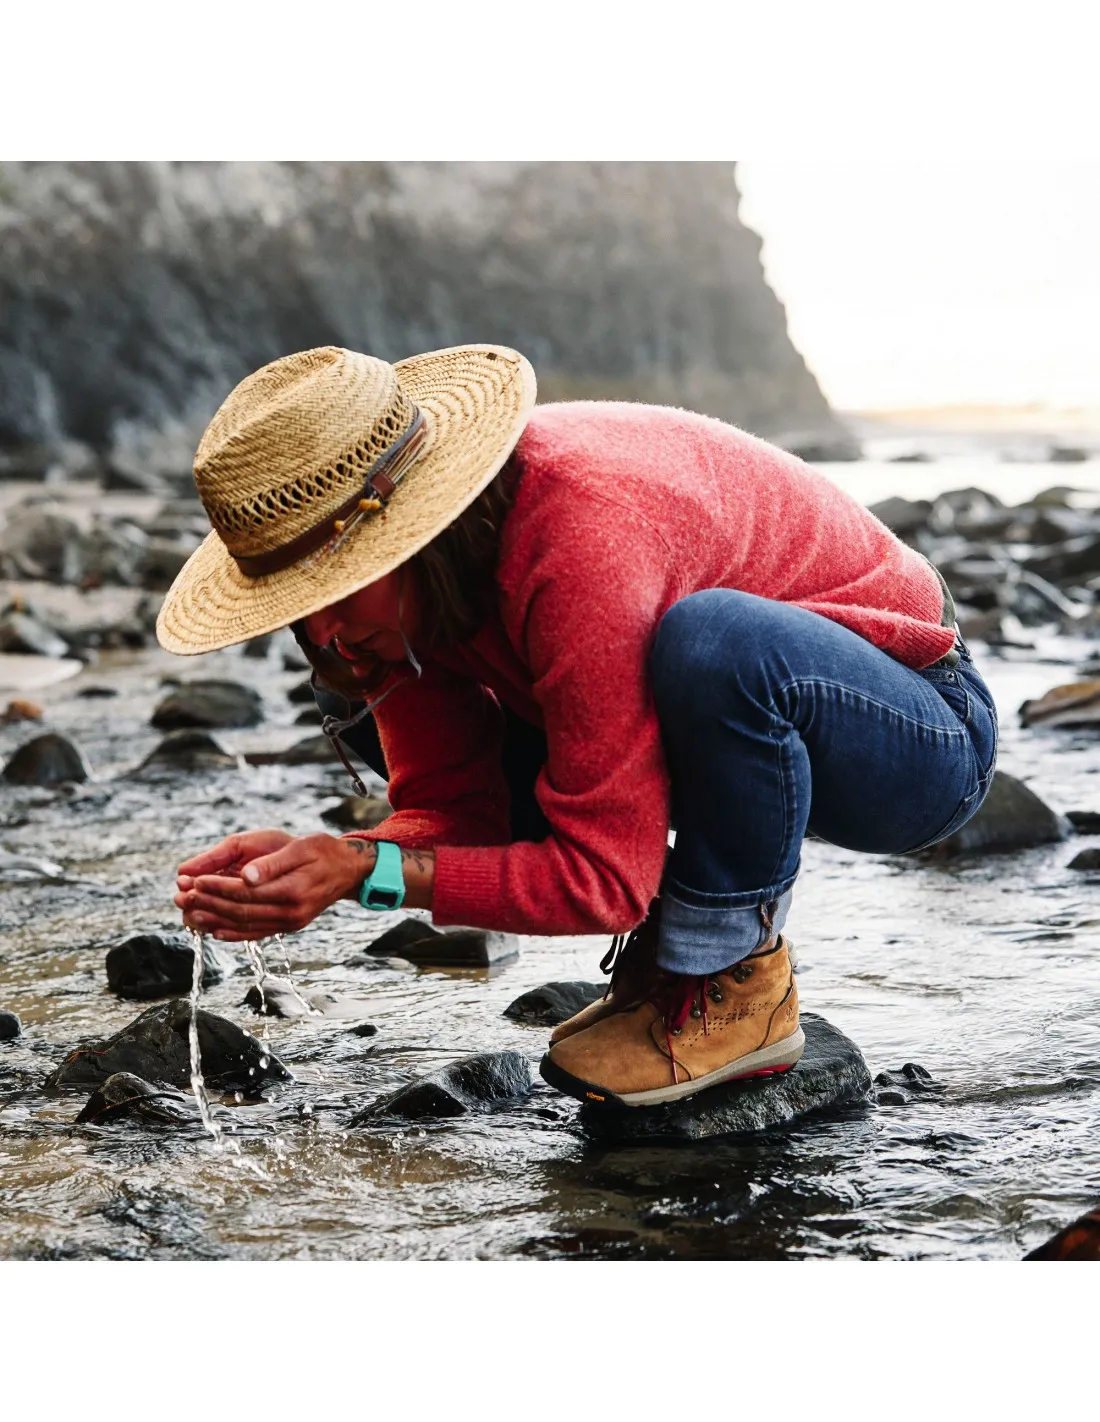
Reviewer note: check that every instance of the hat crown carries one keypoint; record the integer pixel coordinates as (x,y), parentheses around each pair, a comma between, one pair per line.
(293,442)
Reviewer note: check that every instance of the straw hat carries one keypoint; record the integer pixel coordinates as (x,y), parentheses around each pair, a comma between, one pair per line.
(325,470)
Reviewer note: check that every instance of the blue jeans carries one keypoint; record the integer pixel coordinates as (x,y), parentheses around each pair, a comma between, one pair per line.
(777,722)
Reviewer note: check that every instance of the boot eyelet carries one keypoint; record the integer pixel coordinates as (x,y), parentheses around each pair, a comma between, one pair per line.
(715,995)
(696,1011)
(676,1031)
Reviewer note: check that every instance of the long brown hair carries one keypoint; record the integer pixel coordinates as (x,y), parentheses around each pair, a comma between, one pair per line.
(453,577)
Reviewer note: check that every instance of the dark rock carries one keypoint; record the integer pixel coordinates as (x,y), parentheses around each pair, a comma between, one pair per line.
(832,1072)
(903,516)
(1080,1240)
(92,692)
(1074,705)
(364,1029)
(841,450)
(47,760)
(187,751)
(312,750)
(309,716)
(916,456)
(358,812)
(1056,525)
(259,647)
(1058,496)
(22,632)
(293,660)
(898,1088)
(553,1003)
(114,553)
(472,1084)
(161,562)
(1011,817)
(10,1027)
(41,543)
(1084,821)
(125,1095)
(1087,860)
(1067,454)
(958,508)
(302,694)
(209,704)
(427,947)
(279,998)
(155,1047)
(1074,559)
(148,965)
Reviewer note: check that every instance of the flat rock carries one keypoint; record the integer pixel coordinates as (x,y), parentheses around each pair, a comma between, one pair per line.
(278,997)
(1086,860)
(209,704)
(1080,1240)
(427,947)
(10,1027)
(471,1084)
(148,965)
(22,632)
(124,1095)
(832,1072)
(1011,817)
(1073,705)
(186,752)
(553,1003)
(20,868)
(311,750)
(49,759)
(1084,821)
(358,812)
(908,1083)
(155,1047)
(22,671)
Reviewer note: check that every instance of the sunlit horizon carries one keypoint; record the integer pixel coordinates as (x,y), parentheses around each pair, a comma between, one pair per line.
(954,287)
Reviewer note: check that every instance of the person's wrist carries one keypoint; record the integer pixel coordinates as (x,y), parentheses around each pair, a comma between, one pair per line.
(362,857)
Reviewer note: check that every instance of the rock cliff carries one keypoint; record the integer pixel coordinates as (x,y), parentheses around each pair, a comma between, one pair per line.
(133,296)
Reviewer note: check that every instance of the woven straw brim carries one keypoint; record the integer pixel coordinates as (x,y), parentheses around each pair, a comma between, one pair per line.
(475,400)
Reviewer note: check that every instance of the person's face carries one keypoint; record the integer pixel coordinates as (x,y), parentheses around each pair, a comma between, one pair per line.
(369,621)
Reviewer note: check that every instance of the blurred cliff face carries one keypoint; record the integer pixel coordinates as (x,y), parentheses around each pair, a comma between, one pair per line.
(133,296)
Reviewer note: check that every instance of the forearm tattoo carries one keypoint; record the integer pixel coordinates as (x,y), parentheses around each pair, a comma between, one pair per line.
(423,860)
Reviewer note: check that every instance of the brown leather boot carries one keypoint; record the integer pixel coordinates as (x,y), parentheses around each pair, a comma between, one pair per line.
(689,1034)
(632,963)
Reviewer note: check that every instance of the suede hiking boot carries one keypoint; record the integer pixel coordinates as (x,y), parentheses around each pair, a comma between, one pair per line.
(687,1034)
(632,963)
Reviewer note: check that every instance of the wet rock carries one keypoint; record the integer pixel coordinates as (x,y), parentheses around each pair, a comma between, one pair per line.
(898,1088)
(148,965)
(155,1047)
(280,998)
(302,694)
(21,711)
(1084,821)
(1087,861)
(10,1027)
(294,660)
(312,750)
(904,517)
(309,716)
(97,692)
(472,1084)
(1080,1240)
(358,812)
(47,760)
(1074,705)
(22,632)
(124,1095)
(364,1029)
(259,647)
(427,947)
(553,1003)
(209,704)
(1011,817)
(18,868)
(832,1072)
(186,751)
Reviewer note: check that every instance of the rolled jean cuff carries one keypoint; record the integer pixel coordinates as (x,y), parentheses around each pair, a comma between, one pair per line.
(697,938)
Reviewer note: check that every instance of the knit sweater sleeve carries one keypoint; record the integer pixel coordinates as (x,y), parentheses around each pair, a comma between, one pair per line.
(441,735)
(584,611)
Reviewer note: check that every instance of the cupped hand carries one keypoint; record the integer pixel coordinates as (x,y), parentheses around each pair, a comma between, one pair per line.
(265,882)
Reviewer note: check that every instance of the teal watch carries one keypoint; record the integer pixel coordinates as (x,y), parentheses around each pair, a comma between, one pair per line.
(384,887)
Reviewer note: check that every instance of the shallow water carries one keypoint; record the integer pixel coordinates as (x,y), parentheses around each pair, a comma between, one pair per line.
(984,974)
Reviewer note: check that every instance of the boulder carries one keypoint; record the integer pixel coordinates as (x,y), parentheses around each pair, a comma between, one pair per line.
(1068,562)
(209,704)
(187,751)
(832,1073)
(1080,1240)
(22,632)
(259,647)
(1011,817)
(898,1088)
(903,516)
(47,760)
(358,812)
(301,694)
(148,965)
(553,1003)
(125,1095)
(1088,860)
(1084,821)
(471,1084)
(155,1047)
(311,750)
(426,946)
(1077,704)
(10,1027)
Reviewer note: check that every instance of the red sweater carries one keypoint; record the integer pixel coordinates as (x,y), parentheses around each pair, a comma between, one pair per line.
(620,511)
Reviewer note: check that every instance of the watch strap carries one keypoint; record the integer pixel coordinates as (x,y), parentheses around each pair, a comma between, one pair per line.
(384,887)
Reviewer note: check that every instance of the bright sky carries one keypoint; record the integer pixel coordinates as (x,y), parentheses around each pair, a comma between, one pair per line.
(915,284)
